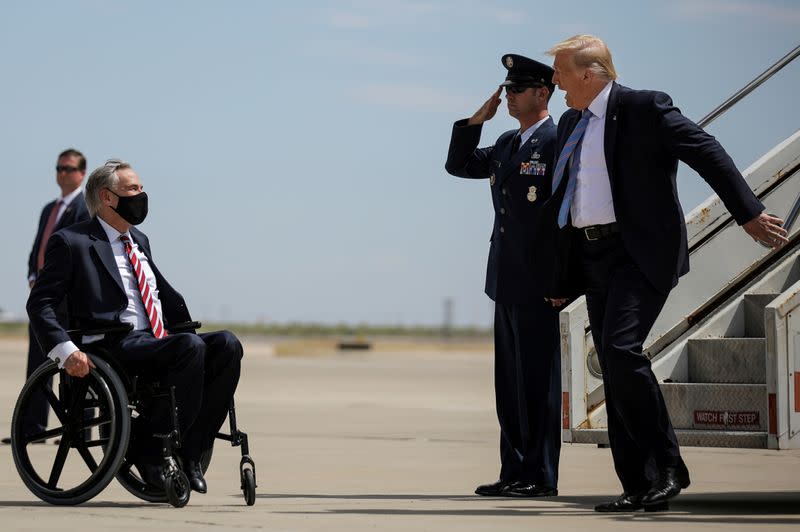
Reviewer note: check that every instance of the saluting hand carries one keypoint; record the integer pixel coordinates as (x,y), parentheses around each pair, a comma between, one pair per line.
(767,229)
(487,110)
(78,364)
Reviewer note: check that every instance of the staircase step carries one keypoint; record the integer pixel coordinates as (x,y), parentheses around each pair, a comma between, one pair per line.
(754,305)
(722,438)
(728,360)
(688,438)
(711,406)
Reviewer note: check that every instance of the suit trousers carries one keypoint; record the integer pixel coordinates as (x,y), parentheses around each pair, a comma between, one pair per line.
(203,368)
(623,306)
(527,378)
(34,418)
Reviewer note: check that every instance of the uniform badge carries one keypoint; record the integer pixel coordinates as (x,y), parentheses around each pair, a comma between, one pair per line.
(526,168)
(491,180)
(535,155)
(531,194)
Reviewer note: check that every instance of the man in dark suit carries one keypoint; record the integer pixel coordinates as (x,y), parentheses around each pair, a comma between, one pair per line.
(527,364)
(620,239)
(68,209)
(103,268)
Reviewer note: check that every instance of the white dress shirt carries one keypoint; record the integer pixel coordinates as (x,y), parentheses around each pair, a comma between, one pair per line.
(530,131)
(135,312)
(593,204)
(65,202)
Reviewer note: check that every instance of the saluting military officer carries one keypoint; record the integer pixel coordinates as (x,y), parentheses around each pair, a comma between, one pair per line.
(527,364)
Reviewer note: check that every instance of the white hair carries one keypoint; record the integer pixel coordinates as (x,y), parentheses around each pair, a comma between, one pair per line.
(103,177)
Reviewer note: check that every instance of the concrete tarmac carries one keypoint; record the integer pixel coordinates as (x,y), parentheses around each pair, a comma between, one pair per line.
(396,441)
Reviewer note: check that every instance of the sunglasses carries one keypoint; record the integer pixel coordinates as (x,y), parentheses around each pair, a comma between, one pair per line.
(519,89)
(516,89)
(68,169)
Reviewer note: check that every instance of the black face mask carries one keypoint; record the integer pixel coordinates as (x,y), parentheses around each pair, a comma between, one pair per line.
(133,209)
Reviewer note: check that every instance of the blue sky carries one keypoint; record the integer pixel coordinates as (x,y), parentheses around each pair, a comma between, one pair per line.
(294,152)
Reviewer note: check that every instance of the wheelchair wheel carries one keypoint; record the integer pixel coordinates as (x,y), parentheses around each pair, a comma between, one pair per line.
(92,418)
(249,486)
(176,486)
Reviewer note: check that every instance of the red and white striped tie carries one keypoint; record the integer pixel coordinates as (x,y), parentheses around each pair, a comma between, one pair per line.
(144,290)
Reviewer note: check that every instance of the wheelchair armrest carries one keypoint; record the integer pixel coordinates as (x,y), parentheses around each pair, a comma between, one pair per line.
(187,326)
(111,328)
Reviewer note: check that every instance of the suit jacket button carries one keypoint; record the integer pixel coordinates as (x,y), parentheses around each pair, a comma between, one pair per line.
(502,229)
(502,210)
(504,191)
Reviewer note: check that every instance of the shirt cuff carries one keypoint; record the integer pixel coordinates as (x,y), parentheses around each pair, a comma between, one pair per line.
(61,352)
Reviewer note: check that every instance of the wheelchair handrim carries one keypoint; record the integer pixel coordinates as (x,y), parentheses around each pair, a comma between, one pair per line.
(116,405)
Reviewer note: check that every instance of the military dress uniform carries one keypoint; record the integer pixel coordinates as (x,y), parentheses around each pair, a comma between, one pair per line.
(527,360)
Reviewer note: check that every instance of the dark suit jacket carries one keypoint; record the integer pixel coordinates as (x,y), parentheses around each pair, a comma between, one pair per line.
(75,212)
(520,186)
(645,136)
(79,266)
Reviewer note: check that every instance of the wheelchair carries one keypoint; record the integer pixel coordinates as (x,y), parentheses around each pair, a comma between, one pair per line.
(100,417)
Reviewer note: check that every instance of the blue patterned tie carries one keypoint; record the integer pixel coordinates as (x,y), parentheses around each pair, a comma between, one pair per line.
(570,151)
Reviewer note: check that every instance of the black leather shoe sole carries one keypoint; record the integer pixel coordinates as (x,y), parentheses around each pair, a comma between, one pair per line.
(491,490)
(534,492)
(631,507)
(615,507)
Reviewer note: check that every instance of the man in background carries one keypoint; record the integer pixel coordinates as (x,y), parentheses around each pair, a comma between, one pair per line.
(68,209)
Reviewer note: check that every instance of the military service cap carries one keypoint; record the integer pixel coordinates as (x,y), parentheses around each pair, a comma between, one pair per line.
(525,72)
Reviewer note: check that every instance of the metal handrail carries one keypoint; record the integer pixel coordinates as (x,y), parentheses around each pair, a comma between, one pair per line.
(750,87)
(793,213)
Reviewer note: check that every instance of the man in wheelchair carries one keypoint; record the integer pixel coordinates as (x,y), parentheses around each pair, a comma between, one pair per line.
(104,269)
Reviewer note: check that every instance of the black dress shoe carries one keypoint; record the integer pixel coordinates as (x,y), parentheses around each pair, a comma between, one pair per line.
(195,475)
(526,489)
(492,490)
(668,486)
(152,474)
(682,474)
(630,503)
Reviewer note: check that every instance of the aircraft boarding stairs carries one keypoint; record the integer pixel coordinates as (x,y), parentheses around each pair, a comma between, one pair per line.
(726,347)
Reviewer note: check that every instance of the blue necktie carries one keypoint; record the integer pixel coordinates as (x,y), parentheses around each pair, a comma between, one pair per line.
(570,151)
